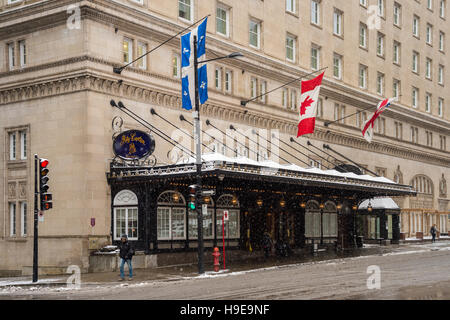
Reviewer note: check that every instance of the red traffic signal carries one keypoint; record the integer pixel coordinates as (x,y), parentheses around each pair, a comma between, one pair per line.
(43,163)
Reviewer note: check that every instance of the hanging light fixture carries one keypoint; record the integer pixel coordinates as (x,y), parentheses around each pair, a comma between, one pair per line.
(175,197)
(282,203)
(234,201)
(303,205)
(339,206)
(355,207)
(259,202)
(369,207)
(321,206)
(207,200)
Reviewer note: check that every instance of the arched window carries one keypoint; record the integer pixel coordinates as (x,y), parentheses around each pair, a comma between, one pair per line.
(329,219)
(171,215)
(230,203)
(422,184)
(312,219)
(125,215)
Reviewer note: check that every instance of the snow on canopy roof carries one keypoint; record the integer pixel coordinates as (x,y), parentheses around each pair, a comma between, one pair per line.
(379,203)
(215,157)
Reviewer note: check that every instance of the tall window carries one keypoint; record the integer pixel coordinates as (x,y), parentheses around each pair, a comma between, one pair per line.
(142,49)
(12,219)
(253,87)
(429,135)
(428,68)
(290,6)
(380,8)
(229,203)
(442,142)
(228,81)
(380,83)
(176,66)
(320,108)
(24,221)
(414,135)
(415,97)
(397,14)
(171,216)
(11,55)
(126,215)
(223,20)
(337,22)
(127,50)
(440,107)
(380,44)
(430,4)
(218,78)
(185,9)
(290,48)
(363,2)
(441,74)
(362,76)
(442,8)
(398,130)
(23,145)
(396,54)
(285,97)
(396,88)
(415,62)
(337,66)
(23,53)
(429,34)
(12,146)
(415,26)
(428,102)
(441,40)
(293,100)
(263,90)
(254,33)
(315,57)
(315,12)
(362,35)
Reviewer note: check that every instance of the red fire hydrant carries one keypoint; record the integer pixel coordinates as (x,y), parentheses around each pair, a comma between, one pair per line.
(216,255)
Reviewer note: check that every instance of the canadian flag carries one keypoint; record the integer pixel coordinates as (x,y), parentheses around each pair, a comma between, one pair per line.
(308,105)
(367,130)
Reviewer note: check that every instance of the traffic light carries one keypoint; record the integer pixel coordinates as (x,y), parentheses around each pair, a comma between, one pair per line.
(46,198)
(192,196)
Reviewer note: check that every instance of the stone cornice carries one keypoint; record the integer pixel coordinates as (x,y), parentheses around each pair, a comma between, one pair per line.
(88,81)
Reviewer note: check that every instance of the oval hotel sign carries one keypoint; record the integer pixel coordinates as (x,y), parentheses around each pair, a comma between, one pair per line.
(133,144)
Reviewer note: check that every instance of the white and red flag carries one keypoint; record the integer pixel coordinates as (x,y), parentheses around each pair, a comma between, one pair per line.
(308,105)
(367,130)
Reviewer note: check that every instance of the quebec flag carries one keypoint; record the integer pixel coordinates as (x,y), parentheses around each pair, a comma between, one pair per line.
(187,67)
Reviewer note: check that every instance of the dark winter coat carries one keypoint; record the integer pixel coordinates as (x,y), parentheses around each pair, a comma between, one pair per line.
(126,250)
(433,231)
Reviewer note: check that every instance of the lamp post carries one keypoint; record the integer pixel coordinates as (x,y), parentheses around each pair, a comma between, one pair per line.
(198,153)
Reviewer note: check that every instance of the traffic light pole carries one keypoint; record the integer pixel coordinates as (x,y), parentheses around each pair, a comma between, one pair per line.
(36,218)
(198,152)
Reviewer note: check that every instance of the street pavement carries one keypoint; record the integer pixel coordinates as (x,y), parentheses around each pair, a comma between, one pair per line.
(408,271)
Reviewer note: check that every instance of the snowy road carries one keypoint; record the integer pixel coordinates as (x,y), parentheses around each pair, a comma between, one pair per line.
(419,272)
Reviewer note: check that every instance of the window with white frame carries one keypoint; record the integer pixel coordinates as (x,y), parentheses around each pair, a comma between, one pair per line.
(218,78)
(362,35)
(440,107)
(414,135)
(380,44)
(337,22)
(397,14)
(125,215)
(415,97)
(171,216)
(23,53)
(254,33)
(428,102)
(442,142)
(230,203)
(253,87)
(441,41)
(415,62)
(441,74)
(428,67)
(362,76)
(320,108)
(285,97)
(127,50)
(290,48)
(337,66)
(223,20)
(176,66)
(397,52)
(228,81)
(23,145)
(315,12)
(293,100)
(396,88)
(363,3)
(429,136)
(185,9)
(429,33)
(380,8)
(12,219)
(263,91)
(12,145)
(208,224)
(398,130)
(430,4)
(442,8)
(11,55)
(315,57)
(141,50)
(24,221)
(380,83)
(290,6)
(415,26)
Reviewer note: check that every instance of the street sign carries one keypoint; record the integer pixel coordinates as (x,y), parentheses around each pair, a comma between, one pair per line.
(92,222)
(41,216)
(225,215)
(208,192)
(204,209)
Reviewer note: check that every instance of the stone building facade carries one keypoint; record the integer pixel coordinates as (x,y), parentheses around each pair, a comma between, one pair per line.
(57,80)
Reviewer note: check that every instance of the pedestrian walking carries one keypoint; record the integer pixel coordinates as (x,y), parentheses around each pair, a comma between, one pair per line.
(126,254)
(267,244)
(433,232)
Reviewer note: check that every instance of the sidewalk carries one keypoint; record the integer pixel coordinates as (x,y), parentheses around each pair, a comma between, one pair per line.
(174,273)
